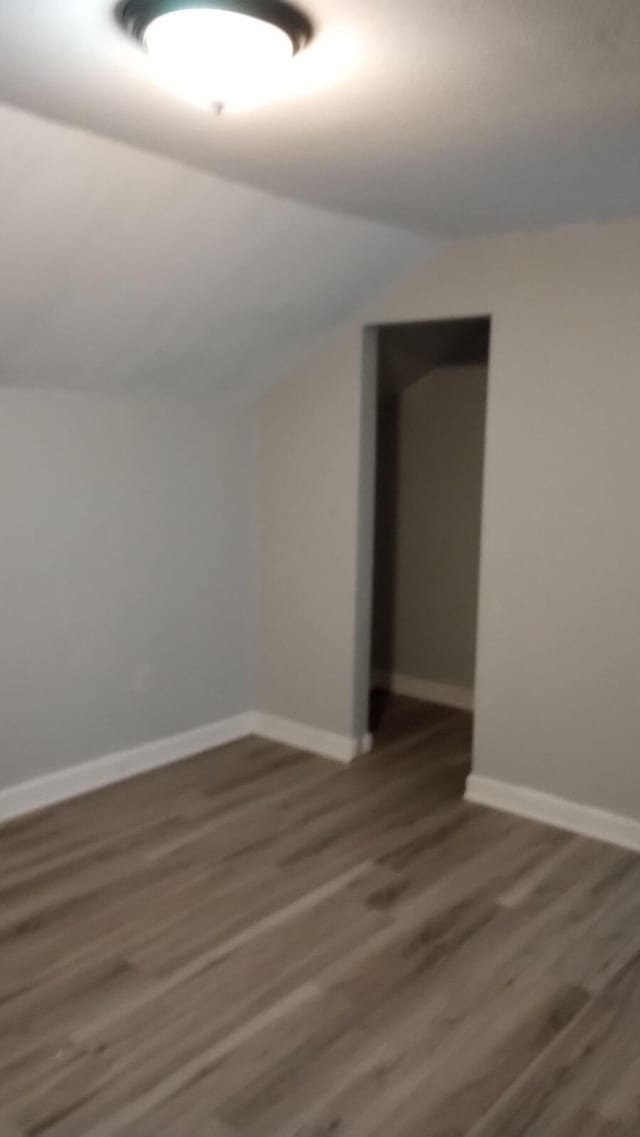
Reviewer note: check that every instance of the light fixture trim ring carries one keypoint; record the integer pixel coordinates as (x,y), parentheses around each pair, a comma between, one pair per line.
(136,15)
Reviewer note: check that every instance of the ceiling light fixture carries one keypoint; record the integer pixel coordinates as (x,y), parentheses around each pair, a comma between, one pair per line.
(218,52)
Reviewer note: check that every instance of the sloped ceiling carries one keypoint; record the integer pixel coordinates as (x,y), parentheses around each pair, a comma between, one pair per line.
(451,116)
(130,261)
(121,271)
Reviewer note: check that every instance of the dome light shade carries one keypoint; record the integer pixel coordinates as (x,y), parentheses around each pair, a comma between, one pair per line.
(218,52)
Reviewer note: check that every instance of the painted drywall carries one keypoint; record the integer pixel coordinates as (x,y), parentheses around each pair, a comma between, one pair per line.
(123,271)
(126,576)
(429,497)
(559,613)
(308,491)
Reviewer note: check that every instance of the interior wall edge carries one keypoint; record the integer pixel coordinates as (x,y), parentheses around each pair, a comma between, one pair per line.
(339,747)
(562,813)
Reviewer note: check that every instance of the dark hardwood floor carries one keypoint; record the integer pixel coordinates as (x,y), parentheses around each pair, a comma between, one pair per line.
(257,941)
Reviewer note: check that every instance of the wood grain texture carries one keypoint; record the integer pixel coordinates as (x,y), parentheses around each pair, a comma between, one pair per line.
(257,940)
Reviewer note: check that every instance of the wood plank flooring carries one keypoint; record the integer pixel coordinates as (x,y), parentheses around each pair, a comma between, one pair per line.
(258,941)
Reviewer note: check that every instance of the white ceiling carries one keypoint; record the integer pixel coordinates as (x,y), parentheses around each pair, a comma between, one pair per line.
(451,116)
(122,271)
(125,271)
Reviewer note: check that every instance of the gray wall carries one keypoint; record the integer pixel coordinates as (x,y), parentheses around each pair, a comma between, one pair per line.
(308,492)
(559,616)
(126,575)
(429,488)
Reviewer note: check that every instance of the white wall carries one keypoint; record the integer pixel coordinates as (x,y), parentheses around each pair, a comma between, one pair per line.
(429,497)
(126,575)
(559,620)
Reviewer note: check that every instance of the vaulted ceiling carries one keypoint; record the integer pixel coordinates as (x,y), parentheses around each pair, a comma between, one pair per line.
(122,271)
(451,116)
(149,246)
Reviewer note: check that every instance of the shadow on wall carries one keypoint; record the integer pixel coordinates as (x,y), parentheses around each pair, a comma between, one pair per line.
(386,528)
(430,452)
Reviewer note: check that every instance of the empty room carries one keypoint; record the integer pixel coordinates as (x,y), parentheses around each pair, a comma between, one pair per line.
(320,568)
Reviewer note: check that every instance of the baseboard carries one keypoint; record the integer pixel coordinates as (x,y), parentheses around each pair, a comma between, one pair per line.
(37,793)
(447,694)
(587,820)
(86,776)
(340,747)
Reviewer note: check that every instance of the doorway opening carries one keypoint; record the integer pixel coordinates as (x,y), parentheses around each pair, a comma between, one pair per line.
(430,434)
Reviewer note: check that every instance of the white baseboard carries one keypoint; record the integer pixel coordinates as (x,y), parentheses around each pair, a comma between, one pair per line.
(340,747)
(86,776)
(447,694)
(561,812)
(37,793)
